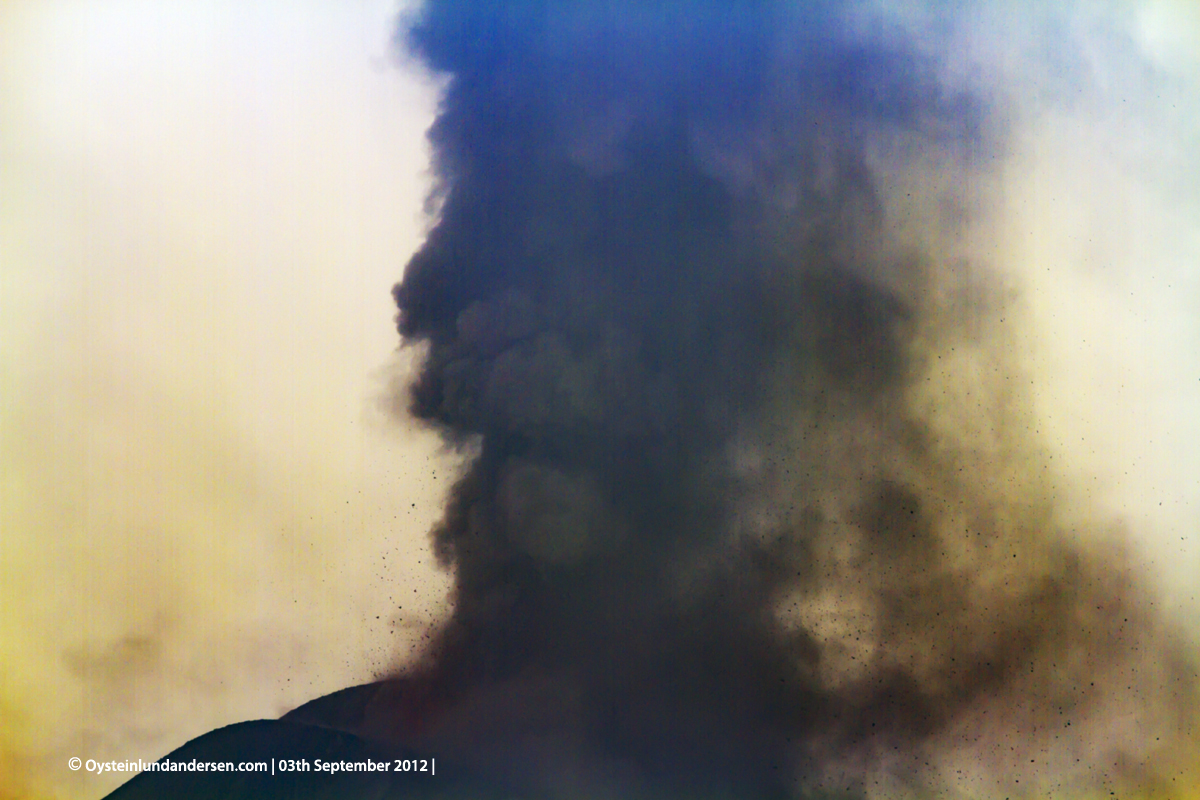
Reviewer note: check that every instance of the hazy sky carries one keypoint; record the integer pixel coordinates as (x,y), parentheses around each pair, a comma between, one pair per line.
(203,205)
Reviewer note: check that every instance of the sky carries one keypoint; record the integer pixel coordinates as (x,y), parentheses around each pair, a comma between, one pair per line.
(207,514)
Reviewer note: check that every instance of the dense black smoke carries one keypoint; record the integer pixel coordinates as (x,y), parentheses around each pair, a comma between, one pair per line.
(757,504)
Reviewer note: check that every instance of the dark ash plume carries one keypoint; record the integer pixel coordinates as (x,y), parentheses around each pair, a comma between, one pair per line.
(758,505)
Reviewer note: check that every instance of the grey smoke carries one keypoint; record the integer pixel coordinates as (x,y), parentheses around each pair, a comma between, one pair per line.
(759,503)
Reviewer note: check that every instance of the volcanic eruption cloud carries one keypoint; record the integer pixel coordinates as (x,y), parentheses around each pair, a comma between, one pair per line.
(791,468)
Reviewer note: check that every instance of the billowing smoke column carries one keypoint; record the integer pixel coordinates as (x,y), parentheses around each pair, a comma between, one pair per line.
(757,504)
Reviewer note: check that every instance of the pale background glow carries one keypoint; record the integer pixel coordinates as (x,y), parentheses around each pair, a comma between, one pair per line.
(206,517)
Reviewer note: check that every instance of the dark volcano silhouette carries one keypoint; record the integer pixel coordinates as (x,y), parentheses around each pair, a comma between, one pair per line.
(319,731)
